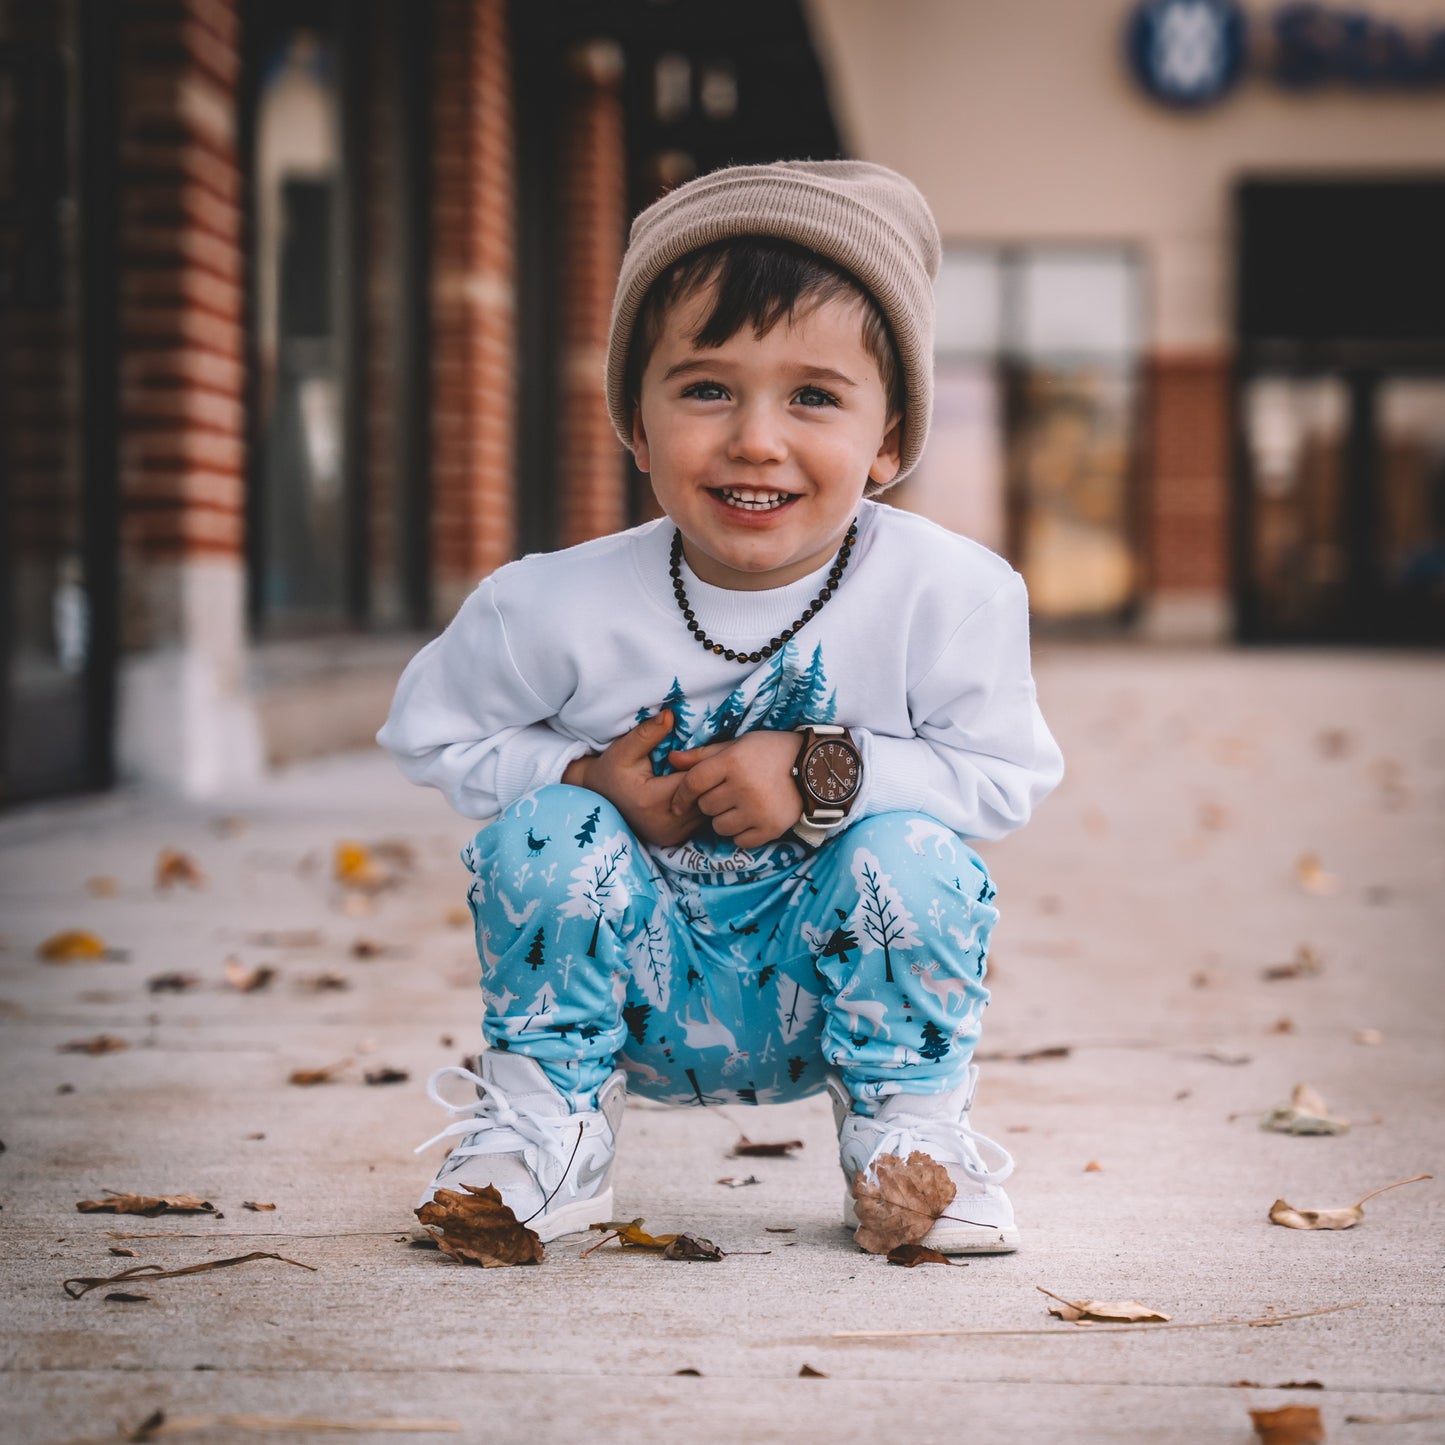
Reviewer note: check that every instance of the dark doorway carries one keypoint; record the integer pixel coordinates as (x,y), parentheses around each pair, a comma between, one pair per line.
(57,396)
(1340,391)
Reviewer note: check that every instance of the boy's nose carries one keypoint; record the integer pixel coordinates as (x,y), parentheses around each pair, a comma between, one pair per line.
(756,437)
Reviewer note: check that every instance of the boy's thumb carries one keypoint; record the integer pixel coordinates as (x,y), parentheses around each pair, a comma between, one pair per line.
(651,731)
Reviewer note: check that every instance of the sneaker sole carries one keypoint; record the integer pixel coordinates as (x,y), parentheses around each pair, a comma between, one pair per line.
(948,1238)
(574,1218)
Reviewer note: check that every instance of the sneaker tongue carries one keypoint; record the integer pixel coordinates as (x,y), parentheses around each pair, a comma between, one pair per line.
(924,1106)
(523,1083)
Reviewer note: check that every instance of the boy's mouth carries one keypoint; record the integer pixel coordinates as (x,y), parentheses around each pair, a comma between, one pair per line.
(749,499)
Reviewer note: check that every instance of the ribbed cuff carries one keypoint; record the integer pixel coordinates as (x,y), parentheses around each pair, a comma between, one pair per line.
(532,759)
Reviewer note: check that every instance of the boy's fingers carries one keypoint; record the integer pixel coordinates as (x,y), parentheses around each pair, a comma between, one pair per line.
(684,758)
(636,744)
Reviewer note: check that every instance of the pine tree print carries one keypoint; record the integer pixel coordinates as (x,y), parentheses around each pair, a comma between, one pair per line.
(537,954)
(635,1016)
(887,924)
(676,703)
(748,1094)
(588,828)
(797,1068)
(843,939)
(723,724)
(935,1042)
(795,1007)
(597,883)
(808,698)
(650,954)
(765,975)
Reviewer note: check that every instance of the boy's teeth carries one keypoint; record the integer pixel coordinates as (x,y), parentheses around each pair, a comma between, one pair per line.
(757,501)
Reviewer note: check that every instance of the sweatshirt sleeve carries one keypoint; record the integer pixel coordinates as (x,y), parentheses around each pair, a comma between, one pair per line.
(466,721)
(981,756)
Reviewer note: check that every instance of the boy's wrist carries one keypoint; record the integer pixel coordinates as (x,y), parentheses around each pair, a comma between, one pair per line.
(575,773)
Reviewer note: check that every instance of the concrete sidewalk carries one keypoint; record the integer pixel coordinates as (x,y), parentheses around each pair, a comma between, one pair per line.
(1138,912)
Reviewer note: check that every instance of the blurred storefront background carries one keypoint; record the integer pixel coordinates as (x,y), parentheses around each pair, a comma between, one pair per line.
(303,304)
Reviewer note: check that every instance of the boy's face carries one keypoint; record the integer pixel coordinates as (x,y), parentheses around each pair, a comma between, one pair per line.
(760,449)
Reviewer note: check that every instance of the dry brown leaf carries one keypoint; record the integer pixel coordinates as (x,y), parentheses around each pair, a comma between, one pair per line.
(458,917)
(903,1202)
(1305,962)
(171,982)
(693,1249)
(317,1076)
(780,1229)
(147,1204)
(1414,1419)
(746,1147)
(1128,1311)
(630,1235)
(100,1044)
(247,980)
(1333,742)
(733,1183)
(1213,817)
(386,1076)
(689,1371)
(121,1297)
(1281,1026)
(1289,1425)
(1093,1167)
(809,1373)
(910,1256)
(78,945)
(128,1253)
(103,886)
(1312,876)
(154,1271)
(370,948)
(324,983)
(252,1204)
(1306,1113)
(1286,1214)
(477,1228)
(173,866)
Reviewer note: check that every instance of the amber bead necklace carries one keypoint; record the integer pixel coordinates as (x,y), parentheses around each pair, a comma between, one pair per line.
(835,575)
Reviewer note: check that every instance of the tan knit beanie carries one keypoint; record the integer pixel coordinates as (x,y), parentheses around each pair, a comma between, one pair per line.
(863,217)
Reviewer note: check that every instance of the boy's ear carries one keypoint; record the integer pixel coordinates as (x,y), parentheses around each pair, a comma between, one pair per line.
(890,455)
(640,451)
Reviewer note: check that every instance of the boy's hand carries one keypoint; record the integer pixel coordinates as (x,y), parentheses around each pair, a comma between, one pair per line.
(745,786)
(623,775)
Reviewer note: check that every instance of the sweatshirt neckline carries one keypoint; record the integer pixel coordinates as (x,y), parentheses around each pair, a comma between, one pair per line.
(739,619)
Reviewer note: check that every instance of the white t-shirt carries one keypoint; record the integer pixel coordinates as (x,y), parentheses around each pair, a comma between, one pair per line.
(922,652)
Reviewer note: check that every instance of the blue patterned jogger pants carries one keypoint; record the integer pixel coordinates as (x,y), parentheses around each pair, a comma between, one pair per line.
(866,957)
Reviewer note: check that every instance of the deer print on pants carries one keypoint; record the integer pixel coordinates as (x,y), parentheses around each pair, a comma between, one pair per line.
(864,957)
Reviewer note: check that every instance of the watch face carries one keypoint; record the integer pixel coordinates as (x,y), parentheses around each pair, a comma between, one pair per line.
(831,772)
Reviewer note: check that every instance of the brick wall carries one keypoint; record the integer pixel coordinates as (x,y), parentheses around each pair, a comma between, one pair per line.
(472,515)
(1186,474)
(591,482)
(181,449)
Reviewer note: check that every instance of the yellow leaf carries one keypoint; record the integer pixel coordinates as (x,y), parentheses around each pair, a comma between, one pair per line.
(1312,876)
(72,944)
(1111,1311)
(356,867)
(1289,1425)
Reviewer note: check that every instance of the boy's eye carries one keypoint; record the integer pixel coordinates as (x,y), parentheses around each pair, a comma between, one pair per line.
(815,396)
(705,391)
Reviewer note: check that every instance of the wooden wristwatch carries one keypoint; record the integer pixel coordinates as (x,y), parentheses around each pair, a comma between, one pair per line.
(829,775)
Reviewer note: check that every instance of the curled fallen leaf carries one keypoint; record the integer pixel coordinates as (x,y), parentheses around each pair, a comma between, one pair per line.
(78,945)
(99,1044)
(252,1204)
(693,1248)
(739,1183)
(809,1373)
(247,980)
(780,1228)
(102,887)
(119,1296)
(630,1235)
(477,1228)
(902,1202)
(173,867)
(1289,1425)
(120,1202)
(1281,1026)
(119,1249)
(171,982)
(1306,1113)
(359,867)
(1333,742)
(1093,1167)
(370,948)
(747,1148)
(1286,1214)
(1128,1311)
(324,983)
(317,1076)
(910,1256)
(1305,962)
(386,1076)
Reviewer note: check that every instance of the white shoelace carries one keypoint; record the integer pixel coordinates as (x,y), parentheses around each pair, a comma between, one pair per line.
(492,1110)
(948,1141)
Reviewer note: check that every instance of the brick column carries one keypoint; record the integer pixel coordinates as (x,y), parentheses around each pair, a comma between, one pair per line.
(1187,503)
(473,350)
(591,483)
(185,717)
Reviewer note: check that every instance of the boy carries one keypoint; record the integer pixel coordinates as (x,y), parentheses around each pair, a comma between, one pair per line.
(736,752)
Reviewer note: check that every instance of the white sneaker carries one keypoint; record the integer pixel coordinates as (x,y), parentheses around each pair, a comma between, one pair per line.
(552,1167)
(980,1219)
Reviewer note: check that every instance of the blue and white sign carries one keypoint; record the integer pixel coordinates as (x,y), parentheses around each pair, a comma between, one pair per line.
(1187,53)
